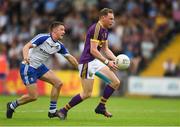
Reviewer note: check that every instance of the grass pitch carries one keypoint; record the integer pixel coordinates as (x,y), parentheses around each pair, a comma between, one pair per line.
(126,112)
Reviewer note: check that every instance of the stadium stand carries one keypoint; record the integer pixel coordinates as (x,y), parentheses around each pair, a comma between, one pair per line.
(142,29)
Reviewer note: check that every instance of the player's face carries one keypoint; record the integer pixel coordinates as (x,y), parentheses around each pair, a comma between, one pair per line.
(60,31)
(109,20)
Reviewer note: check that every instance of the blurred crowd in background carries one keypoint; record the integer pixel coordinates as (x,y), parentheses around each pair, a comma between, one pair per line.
(142,27)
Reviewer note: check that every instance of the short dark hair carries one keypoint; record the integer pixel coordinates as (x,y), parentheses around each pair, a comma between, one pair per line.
(55,24)
(104,12)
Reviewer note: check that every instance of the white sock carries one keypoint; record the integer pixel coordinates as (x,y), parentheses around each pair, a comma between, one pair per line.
(12,107)
(52,110)
(52,107)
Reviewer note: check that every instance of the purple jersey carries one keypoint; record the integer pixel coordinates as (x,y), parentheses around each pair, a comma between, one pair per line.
(96,33)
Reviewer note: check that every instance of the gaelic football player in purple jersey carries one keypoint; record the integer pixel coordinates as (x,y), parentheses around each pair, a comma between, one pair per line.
(92,61)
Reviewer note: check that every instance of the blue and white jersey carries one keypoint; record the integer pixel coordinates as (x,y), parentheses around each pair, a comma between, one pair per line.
(44,47)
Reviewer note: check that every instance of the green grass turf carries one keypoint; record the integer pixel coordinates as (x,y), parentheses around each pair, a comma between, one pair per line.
(126,111)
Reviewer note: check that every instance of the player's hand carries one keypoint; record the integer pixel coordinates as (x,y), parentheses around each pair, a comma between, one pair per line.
(112,65)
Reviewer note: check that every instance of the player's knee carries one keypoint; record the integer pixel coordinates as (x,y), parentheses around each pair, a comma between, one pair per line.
(58,84)
(116,84)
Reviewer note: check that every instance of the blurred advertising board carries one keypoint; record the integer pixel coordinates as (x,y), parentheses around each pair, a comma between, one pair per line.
(154,86)
(70,79)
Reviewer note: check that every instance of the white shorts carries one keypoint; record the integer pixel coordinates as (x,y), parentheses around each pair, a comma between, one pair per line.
(89,69)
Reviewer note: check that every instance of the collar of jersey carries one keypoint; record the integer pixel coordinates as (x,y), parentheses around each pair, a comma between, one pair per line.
(102,25)
(52,38)
(51,42)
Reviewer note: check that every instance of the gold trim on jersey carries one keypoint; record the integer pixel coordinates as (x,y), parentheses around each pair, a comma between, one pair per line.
(97,30)
(100,43)
(101,24)
(104,41)
(94,40)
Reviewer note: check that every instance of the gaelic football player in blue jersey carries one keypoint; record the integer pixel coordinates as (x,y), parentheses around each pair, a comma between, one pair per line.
(35,53)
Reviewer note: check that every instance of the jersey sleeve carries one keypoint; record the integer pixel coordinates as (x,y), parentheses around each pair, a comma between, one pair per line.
(94,33)
(63,51)
(39,39)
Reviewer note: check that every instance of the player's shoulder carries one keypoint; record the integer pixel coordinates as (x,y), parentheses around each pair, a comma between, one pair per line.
(60,43)
(62,48)
(43,35)
(40,38)
(93,26)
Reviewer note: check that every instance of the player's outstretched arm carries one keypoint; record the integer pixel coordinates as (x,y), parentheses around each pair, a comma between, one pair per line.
(26,51)
(72,60)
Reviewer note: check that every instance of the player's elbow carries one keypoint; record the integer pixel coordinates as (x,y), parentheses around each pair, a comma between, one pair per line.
(28,46)
(25,48)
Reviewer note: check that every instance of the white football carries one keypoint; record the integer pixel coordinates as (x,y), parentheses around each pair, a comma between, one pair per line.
(122,61)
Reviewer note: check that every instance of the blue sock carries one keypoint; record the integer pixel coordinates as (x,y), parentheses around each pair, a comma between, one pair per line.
(14,105)
(52,108)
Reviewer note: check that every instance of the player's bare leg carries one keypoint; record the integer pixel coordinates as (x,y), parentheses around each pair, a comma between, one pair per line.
(87,85)
(108,91)
(51,78)
(26,98)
